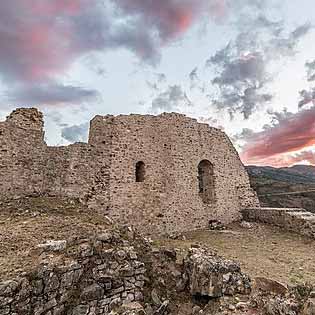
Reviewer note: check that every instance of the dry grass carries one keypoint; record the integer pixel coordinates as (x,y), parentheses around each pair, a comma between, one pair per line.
(262,251)
(26,223)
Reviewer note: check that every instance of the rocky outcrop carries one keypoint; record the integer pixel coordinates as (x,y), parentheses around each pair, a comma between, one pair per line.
(108,275)
(84,277)
(212,276)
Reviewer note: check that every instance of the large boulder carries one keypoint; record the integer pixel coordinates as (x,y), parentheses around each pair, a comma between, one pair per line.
(212,276)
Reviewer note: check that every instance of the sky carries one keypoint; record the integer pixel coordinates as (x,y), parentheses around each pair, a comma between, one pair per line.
(245,66)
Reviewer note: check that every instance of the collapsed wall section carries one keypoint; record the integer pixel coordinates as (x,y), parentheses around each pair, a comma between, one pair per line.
(92,277)
(29,167)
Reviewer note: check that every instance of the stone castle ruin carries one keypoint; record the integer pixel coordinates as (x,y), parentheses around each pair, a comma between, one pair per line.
(165,173)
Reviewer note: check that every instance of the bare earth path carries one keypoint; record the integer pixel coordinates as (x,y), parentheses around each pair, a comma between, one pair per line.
(262,251)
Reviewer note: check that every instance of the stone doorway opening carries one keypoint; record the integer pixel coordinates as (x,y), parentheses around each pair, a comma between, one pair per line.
(140,172)
(206,181)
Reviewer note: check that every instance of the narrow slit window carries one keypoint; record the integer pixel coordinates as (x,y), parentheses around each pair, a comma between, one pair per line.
(140,172)
(206,181)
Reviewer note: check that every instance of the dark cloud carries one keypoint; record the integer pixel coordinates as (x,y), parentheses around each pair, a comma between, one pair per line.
(288,139)
(310,68)
(76,133)
(194,78)
(157,83)
(307,96)
(242,74)
(50,94)
(170,100)
(41,39)
(50,35)
(168,17)
(300,31)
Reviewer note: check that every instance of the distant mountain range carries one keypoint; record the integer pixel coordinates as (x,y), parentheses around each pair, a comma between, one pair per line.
(294,174)
(284,187)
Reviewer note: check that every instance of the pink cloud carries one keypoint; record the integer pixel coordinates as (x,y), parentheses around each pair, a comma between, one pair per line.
(293,133)
(41,38)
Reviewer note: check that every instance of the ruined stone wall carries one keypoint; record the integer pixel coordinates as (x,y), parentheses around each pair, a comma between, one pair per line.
(100,139)
(88,277)
(296,220)
(29,167)
(69,171)
(102,172)
(22,153)
(171,146)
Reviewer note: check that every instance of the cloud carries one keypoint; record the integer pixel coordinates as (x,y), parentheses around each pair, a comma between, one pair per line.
(242,66)
(194,78)
(287,133)
(157,83)
(285,160)
(169,18)
(308,96)
(241,82)
(50,94)
(76,133)
(308,156)
(40,39)
(50,35)
(170,100)
(310,67)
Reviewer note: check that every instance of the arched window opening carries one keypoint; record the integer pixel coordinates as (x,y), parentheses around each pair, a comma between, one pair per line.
(206,181)
(140,172)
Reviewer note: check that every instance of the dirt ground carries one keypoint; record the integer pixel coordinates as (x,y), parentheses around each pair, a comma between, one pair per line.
(27,222)
(262,251)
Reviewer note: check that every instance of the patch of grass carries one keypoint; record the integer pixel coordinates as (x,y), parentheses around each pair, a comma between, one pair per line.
(262,251)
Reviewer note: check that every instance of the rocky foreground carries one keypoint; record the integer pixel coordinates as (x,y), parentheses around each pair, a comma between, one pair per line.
(65,260)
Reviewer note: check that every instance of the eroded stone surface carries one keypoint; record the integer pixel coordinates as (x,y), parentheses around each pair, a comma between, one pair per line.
(169,196)
(212,276)
(297,220)
(94,277)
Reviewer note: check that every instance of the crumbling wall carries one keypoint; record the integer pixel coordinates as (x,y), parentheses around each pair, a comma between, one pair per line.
(22,153)
(291,219)
(29,167)
(69,171)
(171,147)
(100,139)
(102,172)
(90,277)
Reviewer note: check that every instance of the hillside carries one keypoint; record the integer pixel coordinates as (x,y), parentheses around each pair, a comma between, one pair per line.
(284,187)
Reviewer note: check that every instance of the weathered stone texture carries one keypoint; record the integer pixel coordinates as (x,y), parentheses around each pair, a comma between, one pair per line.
(171,147)
(212,276)
(291,219)
(103,172)
(22,153)
(94,277)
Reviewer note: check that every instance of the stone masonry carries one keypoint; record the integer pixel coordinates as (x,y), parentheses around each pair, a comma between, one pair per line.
(162,174)
(94,277)
(296,220)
